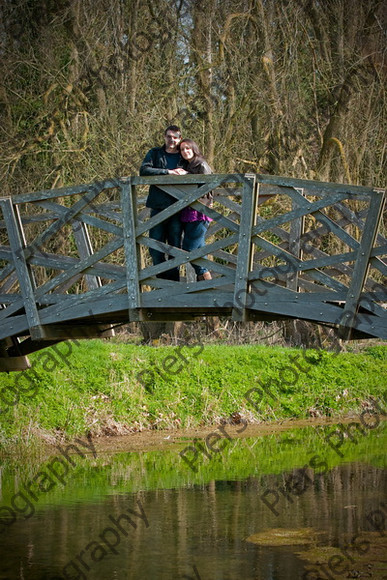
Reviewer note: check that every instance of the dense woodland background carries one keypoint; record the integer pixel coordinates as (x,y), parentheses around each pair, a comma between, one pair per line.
(286,87)
(292,88)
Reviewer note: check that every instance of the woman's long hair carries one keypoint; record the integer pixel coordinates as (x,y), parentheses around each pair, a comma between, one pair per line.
(198,155)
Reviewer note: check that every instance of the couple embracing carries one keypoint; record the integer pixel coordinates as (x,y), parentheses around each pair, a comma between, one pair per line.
(176,157)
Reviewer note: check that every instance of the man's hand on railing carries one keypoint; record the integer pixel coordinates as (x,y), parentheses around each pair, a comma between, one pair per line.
(177,171)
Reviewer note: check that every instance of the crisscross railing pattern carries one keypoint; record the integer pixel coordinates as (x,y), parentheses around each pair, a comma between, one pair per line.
(76,260)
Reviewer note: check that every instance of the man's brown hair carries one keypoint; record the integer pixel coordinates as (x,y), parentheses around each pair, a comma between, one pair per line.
(173,128)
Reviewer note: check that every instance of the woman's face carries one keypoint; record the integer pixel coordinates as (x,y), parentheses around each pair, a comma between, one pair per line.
(186,151)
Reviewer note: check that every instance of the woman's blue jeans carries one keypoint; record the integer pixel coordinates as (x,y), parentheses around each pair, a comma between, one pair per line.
(194,237)
(169,232)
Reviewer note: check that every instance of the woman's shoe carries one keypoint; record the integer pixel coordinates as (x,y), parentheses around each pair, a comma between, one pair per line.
(205,276)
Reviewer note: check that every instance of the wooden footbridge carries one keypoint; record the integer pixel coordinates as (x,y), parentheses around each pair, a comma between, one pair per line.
(75,261)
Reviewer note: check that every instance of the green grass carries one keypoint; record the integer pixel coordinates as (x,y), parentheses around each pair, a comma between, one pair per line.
(97,387)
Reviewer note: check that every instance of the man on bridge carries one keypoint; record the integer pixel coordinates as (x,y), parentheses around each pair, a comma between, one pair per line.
(165,160)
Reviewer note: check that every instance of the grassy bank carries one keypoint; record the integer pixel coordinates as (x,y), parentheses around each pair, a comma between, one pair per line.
(109,388)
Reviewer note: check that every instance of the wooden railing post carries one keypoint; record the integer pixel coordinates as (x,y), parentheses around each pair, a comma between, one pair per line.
(361,267)
(85,249)
(129,214)
(25,278)
(245,247)
(295,233)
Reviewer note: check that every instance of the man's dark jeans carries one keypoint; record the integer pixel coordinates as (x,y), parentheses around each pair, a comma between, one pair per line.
(169,232)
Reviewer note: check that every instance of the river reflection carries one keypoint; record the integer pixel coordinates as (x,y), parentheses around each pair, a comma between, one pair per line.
(148,516)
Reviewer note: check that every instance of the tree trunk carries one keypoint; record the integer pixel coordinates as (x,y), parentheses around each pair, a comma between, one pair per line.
(202,53)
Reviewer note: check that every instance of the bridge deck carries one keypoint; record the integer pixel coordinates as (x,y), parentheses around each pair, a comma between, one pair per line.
(76,260)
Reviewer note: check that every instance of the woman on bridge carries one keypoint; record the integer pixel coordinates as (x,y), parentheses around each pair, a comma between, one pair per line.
(195,223)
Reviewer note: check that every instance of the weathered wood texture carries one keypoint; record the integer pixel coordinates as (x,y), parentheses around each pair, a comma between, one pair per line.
(277,248)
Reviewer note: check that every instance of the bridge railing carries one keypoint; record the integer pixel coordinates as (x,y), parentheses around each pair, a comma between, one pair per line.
(277,248)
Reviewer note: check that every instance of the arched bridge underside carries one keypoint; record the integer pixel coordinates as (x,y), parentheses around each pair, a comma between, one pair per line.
(75,260)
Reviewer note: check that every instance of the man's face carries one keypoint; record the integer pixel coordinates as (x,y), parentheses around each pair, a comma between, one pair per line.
(172,139)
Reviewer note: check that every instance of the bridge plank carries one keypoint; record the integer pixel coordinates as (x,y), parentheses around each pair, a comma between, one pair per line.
(66,306)
(190,289)
(318,188)
(65,191)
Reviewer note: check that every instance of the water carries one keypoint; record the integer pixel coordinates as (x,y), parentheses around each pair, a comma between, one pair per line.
(198,525)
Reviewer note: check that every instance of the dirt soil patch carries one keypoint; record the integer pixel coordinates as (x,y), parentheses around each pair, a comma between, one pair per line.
(152,440)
